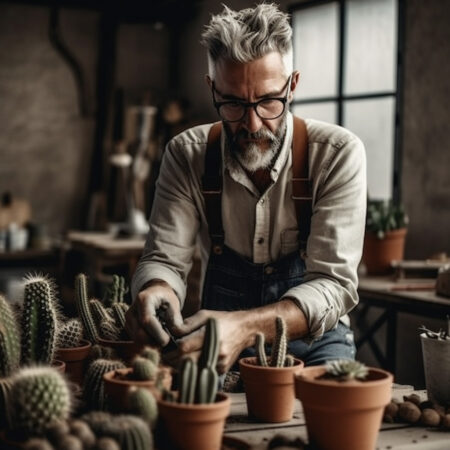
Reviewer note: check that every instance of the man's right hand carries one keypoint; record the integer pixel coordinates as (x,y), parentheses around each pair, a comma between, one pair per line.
(154,308)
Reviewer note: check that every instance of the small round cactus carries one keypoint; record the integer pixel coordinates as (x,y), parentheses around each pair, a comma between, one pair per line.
(152,354)
(144,369)
(346,369)
(70,333)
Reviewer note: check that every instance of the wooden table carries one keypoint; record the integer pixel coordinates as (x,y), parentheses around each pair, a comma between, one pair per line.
(392,436)
(410,296)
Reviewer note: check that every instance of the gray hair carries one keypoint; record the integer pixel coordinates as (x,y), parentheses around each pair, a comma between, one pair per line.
(247,35)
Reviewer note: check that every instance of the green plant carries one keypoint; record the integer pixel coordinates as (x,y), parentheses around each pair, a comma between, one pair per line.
(115,291)
(39,321)
(198,382)
(70,333)
(345,370)
(93,389)
(9,339)
(83,308)
(39,396)
(143,404)
(384,216)
(152,354)
(441,334)
(144,369)
(278,357)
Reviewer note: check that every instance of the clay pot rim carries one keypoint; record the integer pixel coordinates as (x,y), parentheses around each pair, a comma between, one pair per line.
(123,342)
(222,400)
(387,234)
(110,377)
(86,345)
(305,376)
(247,362)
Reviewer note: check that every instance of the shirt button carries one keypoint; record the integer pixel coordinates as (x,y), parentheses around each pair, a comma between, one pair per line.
(262,201)
(268,270)
(261,240)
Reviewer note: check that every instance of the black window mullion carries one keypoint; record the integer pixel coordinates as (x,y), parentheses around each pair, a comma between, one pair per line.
(340,102)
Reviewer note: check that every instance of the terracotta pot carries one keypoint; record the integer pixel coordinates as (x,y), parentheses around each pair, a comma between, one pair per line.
(195,426)
(379,253)
(60,366)
(343,415)
(116,388)
(125,350)
(269,391)
(76,360)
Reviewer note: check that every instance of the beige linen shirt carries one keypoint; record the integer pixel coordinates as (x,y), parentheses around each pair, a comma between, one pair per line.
(337,168)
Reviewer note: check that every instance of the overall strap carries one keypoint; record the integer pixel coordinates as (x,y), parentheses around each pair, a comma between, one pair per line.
(212,188)
(301,186)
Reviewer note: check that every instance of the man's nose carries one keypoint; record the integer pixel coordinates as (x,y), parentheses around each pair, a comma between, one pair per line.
(252,121)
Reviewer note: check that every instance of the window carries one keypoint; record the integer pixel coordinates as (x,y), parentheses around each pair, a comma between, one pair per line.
(348,54)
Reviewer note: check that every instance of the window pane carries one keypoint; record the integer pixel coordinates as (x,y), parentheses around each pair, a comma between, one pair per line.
(326,111)
(370,46)
(373,122)
(316,49)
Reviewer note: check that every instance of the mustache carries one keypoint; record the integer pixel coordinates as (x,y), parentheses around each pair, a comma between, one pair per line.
(260,134)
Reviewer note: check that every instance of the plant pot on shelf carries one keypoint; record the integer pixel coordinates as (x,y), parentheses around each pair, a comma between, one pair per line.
(118,382)
(194,426)
(379,253)
(343,415)
(269,391)
(125,350)
(436,364)
(75,359)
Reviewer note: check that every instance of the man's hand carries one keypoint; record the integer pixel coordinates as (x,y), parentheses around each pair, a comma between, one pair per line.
(234,336)
(155,309)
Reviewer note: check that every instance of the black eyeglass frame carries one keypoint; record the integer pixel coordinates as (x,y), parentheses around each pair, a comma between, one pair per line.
(253,105)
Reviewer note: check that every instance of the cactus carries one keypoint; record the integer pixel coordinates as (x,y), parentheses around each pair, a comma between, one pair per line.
(115,292)
(70,334)
(188,381)
(83,308)
(101,352)
(122,290)
(109,330)
(119,315)
(279,346)
(143,404)
(99,312)
(131,432)
(93,389)
(260,349)
(144,369)
(39,397)
(9,340)
(289,361)
(152,354)
(39,321)
(346,369)
(5,388)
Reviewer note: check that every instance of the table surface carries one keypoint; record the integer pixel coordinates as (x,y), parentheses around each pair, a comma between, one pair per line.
(395,436)
(106,241)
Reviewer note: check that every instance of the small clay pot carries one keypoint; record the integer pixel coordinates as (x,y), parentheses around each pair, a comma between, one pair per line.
(125,350)
(194,426)
(269,391)
(117,385)
(58,365)
(76,360)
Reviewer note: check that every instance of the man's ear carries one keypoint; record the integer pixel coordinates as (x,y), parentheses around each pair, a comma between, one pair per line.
(208,80)
(294,82)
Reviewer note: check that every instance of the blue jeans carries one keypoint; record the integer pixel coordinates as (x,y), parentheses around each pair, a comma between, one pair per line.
(232,283)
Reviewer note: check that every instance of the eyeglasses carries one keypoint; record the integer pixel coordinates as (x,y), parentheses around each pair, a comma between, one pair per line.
(267,108)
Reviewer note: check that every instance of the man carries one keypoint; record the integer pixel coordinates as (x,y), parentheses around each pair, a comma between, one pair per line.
(256,269)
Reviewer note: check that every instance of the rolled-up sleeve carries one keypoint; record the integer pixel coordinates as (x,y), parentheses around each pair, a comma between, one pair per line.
(334,247)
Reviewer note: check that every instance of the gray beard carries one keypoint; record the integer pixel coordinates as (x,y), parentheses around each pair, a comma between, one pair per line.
(252,158)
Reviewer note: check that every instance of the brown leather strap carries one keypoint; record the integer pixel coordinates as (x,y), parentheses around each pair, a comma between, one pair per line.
(212,188)
(301,186)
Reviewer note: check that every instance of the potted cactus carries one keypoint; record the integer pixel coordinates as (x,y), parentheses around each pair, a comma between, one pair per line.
(273,376)
(384,240)
(346,397)
(145,372)
(436,363)
(194,417)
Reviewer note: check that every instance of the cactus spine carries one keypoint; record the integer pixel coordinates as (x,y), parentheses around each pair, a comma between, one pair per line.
(70,334)
(84,311)
(93,390)
(9,340)
(39,321)
(41,397)
(143,403)
(280,344)
(260,349)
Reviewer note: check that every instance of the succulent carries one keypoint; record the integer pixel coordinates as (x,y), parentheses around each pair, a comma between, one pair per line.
(109,330)
(143,404)
(39,397)
(115,292)
(83,308)
(346,369)
(119,314)
(144,369)
(9,340)
(152,354)
(187,381)
(70,333)
(99,312)
(384,216)
(39,321)
(94,389)
(441,334)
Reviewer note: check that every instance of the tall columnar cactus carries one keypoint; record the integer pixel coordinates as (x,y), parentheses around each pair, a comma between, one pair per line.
(143,404)
(279,346)
(131,432)
(99,312)
(39,321)
(115,292)
(260,349)
(84,311)
(93,389)
(9,340)
(39,397)
(187,381)
(70,333)
(119,314)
